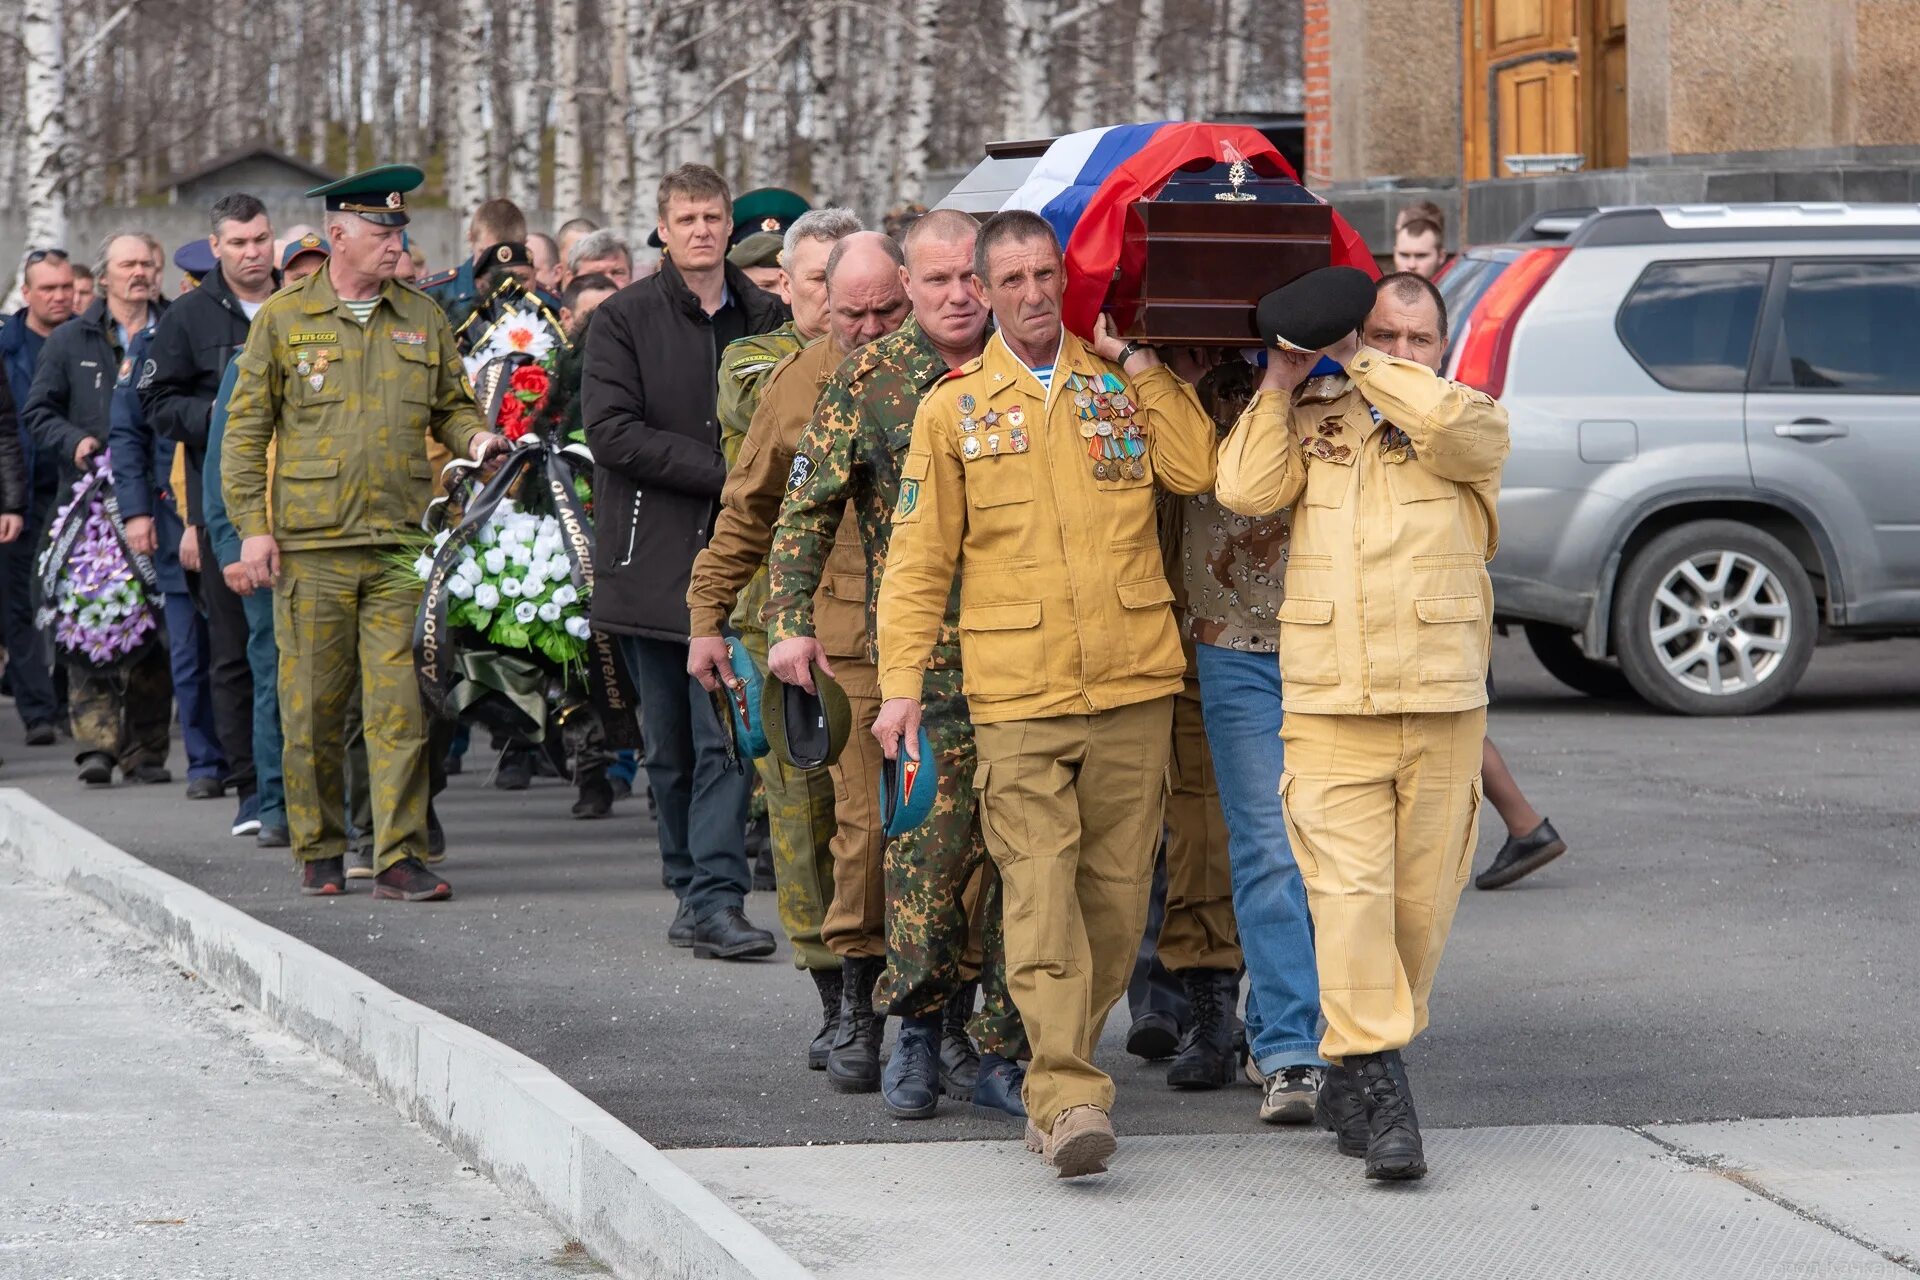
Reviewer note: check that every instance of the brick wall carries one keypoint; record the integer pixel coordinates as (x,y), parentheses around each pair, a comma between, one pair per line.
(1317,66)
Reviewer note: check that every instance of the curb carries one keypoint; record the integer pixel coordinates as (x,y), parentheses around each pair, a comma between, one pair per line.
(535,1136)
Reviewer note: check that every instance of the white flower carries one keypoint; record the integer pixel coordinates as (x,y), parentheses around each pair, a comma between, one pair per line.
(564,594)
(460,587)
(440,538)
(578,628)
(521,555)
(487,536)
(549,612)
(560,569)
(517,330)
(526,611)
(496,561)
(486,595)
(510,588)
(423,566)
(470,570)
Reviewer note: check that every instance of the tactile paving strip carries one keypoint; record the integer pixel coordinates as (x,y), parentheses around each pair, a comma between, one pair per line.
(1538,1203)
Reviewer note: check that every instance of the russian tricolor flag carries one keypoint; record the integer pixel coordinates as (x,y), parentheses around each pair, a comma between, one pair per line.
(1085,181)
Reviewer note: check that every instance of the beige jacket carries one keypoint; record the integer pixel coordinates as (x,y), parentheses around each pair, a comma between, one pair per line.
(1388,606)
(1064,603)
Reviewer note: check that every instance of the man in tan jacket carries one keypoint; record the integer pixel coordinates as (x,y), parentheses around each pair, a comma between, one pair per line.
(1392,473)
(1032,475)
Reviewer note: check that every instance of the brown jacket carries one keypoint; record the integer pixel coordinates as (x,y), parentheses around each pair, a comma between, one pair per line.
(1388,608)
(750,504)
(1065,607)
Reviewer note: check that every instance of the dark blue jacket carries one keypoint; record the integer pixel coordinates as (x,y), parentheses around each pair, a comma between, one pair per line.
(142,467)
(220,530)
(19,353)
(73,387)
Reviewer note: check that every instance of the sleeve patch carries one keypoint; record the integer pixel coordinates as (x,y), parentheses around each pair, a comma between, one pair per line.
(801,473)
(909,499)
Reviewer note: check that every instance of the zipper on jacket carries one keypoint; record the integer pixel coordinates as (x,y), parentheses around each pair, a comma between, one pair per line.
(633,528)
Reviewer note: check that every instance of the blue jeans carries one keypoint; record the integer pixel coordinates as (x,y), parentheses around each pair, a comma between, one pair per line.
(187,647)
(1241,693)
(263,659)
(702,802)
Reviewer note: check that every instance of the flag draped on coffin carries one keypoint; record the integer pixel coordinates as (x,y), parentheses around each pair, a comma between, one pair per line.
(1085,181)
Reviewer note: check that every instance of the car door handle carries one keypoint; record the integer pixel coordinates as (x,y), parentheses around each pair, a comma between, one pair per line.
(1809,429)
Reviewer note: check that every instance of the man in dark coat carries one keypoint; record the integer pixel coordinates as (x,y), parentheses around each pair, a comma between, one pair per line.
(648,399)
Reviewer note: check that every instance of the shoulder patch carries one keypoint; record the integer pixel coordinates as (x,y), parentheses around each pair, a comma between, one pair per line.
(801,473)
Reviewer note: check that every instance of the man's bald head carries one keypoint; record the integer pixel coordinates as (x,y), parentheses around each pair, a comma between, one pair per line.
(943,228)
(866,288)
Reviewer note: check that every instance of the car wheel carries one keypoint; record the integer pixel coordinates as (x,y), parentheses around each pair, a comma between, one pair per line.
(1714,618)
(1561,655)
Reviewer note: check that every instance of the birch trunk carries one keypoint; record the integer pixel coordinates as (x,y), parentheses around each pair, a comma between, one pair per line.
(916,124)
(42,30)
(1029,59)
(613,143)
(525,126)
(565,42)
(646,113)
(467,177)
(1236,48)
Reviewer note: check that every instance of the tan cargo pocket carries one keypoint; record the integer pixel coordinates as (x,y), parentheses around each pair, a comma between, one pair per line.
(846,587)
(306,493)
(1471,840)
(1302,855)
(999,480)
(1453,638)
(1002,651)
(1410,481)
(1308,654)
(416,373)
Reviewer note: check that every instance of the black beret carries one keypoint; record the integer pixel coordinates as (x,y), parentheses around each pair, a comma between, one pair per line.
(1317,310)
(510,254)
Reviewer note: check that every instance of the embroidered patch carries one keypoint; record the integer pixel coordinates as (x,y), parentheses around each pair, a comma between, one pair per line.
(298,337)
(801,473)
(147,371)
(410,337)
(909,498)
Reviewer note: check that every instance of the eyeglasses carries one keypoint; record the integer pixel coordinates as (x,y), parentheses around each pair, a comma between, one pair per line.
(41,255)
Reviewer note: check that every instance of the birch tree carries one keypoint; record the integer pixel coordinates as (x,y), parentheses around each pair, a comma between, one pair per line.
(526,126)
(565,37)
(43,42)
(468,180)
(916,124)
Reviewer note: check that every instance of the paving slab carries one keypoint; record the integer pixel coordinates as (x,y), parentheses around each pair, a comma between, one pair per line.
(1548,1201)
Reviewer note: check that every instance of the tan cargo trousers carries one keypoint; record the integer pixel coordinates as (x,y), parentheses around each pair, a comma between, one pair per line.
(1383,812)
(856,923)
(1071,809)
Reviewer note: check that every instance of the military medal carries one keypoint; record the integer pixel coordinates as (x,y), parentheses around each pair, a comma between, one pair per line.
(304,368)
(966,404)
(993,443)
(993,416)
(1016,417)
(970,447)
(1019,440)
(317,381)
(968,425)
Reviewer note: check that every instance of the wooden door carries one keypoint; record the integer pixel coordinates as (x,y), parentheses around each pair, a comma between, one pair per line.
(1544,77)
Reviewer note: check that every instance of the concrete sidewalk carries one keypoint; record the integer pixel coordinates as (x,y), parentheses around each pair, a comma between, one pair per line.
(152,1127)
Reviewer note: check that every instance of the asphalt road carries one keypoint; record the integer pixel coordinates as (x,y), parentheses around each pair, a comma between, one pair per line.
(1733,934)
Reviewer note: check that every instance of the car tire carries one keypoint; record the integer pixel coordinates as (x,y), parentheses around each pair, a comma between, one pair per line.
(1697,597)
(1561,655)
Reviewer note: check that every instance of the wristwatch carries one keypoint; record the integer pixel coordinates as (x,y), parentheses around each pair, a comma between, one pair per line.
(1129,351)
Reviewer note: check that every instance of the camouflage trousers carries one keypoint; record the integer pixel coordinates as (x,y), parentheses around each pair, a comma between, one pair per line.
(800,825)
(344,621)
(928,874)
(124,711)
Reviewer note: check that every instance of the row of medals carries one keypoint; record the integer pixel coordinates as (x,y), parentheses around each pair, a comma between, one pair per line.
(314,370)
(1114,440)
(990,422)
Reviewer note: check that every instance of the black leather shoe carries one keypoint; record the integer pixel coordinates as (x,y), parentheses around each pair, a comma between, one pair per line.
(1209,1052)
(515,772)
(959,1060)
(152,775)
(1340,1108)
(96,768)
(680,932)
(1522,856)
(1154,1036)
(273,837)
(323,877)
(996,1092)
(910,1086)
(1394,1150)
(204,789)
(853,1066)
(829,984)
(41,734)
(727,934)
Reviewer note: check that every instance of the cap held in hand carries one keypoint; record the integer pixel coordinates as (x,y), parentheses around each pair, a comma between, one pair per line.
(808,730)
(1317,310)
(908,787)
(744,697)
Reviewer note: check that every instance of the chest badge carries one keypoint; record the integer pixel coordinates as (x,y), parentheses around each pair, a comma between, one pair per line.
(970,447)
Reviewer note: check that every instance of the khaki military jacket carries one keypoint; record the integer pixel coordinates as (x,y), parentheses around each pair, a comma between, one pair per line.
(1065,607)
(750,504)
(349,410)
(1388,607)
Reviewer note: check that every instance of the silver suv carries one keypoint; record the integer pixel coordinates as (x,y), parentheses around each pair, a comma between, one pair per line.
(1716,439)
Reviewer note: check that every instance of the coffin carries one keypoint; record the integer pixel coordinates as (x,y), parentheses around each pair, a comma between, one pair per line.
(1198,256)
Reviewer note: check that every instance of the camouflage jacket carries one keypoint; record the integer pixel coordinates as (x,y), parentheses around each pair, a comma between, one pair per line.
(1229,570)
(853,448)
(745,366)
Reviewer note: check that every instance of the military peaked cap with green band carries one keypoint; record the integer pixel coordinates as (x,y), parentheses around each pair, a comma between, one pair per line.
(770,209)
(378,195)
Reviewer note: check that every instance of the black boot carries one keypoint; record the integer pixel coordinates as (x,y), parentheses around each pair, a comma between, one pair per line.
(596,797)
(1522,856)
(515,770)
(1340,1108)
(1394,1150)
(830,983)
(910,1087)
(760,853)
(959,1060)
(1208,1056)
(725,933)
(853,1065)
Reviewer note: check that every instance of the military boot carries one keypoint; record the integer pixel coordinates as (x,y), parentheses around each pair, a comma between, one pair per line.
(1342,1110)
(853,1064)
(829,982)
(910,1086)
(1209,1051)
(959,1060)
(1394,1150)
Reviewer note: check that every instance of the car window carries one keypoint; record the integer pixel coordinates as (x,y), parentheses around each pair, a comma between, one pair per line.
(1465,283)
(1850,327)
(1690,324)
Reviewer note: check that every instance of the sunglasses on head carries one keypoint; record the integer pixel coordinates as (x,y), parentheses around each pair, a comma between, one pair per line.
(41,255)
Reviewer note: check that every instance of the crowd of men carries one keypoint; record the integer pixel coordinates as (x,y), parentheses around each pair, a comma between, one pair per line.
(1100,599)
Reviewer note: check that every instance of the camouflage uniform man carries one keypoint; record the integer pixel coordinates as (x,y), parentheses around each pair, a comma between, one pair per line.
(344,375)
(856,443)
(799,801)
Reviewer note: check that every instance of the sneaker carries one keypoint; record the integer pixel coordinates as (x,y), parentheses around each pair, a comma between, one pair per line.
(360,862)
(246,819)
(1081,1142)
(322,877)
(1290,1095)
(1522,856)
(996,1089)
(204,789)
(96,769)
(274,835)
(41,734)
(408,880)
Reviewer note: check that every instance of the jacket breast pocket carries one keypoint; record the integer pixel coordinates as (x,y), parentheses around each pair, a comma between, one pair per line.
(416,373)
(1328,480)
(1308,653)
(1409,481)
(999,481)
(1003,653)
(1453,638)
(306,494)
(331,388)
